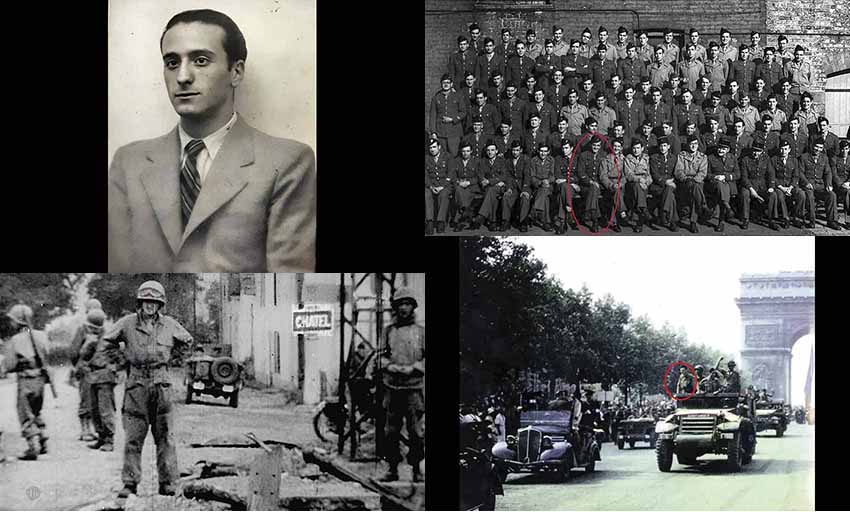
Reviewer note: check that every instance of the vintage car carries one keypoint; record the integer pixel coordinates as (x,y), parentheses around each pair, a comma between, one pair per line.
(708,423)
(479,480)
(211,371)
(633,430)
(545,442)
(771,415)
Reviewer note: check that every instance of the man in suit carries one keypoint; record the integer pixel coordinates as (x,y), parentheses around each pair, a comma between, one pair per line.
(214,194)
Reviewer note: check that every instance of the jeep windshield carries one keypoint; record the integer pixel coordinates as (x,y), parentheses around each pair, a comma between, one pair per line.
(719,401)
(539,418)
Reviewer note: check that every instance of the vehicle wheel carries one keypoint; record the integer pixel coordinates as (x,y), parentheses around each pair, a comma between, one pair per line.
(189,393)
(631,444)
(565,472)
(685,460)
(621,443)
(591,466)
(321,426)
(780,431)
(225,370)
(489,501)
(234,399)
(652,440)
(664,454)
(734,454)
(502,473)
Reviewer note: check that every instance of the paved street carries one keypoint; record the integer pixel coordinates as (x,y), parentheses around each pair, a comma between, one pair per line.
(780,477)
(73,477)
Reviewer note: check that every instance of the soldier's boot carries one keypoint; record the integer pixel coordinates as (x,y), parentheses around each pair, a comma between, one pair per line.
(441,227)
(127,490)
(33,447)
(42,445)
(97,444)
(88,434)
(429,227)
(167,489)
(82,429)
(107,446)
(391,475)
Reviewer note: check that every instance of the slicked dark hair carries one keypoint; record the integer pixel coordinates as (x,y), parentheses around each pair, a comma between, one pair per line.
(234,41)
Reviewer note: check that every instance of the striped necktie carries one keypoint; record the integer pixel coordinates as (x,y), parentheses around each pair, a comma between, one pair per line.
(190,180)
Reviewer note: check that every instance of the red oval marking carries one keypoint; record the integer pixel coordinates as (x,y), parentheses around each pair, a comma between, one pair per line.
(667,373)
(570,189)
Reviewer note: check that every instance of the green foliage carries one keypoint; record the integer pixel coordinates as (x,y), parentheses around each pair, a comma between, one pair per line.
(117,294)
(516,318)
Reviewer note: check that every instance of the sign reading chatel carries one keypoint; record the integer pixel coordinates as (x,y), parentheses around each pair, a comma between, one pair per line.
(315,319)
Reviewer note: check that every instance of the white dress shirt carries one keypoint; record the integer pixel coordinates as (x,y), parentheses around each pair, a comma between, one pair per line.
(212,143)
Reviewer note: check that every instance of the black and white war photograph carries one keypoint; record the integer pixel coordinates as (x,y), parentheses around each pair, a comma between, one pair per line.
(212,391)
(211,136)
(591,381)
(640,117)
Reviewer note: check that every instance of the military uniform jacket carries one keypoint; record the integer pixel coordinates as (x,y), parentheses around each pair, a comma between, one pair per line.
(152,344)
(548,114)
(519,68)
(786,173)
(758,98)
(496,94)
(588,167)
(601,71)
(484,67)
(18,354)
(726,166)
(493,171)
(717,71)
(744,72)
(630,115)
(541,169)
(683,114)
(610,174)
(554,140)
(770,72)
(449,105)
(513,110)
(503,143)
(459,172)
(690,72)
(757,173)
(459,63)
(671,53)
(691,166)
(749,115)
(532,138)
(709,141)
(645,53)
(728,54)
(506,50)
(575,67)
(637,170)
(769,139)
(779,119)
(840,171)
(662,168)
(738,143)
(788,104)
(830,144)
(556,94)
(630,70)
(489,114)
(798,141)
(817,173)
(104,360)
(404,344)
(605,116)
(575,115)
(724,118)
(437,170)
(660,73)
(545,64)
(476,141)
(800,74)
(518,171)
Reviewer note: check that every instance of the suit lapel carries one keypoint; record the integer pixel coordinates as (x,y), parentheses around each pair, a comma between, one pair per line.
(225,177)
(162,184)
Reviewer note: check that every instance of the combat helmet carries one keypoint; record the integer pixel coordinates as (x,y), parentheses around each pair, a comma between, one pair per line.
(404,293)
(95,319)
(151,290)
(20,314)
(92,304)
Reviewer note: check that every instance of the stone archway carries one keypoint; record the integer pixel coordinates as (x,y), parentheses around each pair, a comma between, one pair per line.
(776,311)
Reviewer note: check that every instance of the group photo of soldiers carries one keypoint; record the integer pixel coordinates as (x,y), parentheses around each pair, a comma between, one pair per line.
(546,131)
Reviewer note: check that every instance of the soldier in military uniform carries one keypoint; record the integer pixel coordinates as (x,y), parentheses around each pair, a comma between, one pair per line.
(684,380)
(438,187)
(403,363)
(698,384)
(691,170)
(638,179)
(151,340)
(104,362)
(25,353)
(662,166)
(723,173)
(733,379)
(816,183)
(756,178)
(79,373)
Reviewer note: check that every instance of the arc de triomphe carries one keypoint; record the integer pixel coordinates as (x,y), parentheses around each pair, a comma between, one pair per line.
(776,311)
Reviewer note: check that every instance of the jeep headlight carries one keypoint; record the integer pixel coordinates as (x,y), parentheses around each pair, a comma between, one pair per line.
(547,443)
(728,427)
(663,427)
(511,440)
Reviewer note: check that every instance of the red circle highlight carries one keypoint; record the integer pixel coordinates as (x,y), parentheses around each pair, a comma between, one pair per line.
(570,189)
(667,373)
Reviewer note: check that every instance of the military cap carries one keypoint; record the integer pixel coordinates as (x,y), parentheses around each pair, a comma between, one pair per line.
(713,44)
(602,29)
(511,84)
(556,28)
(541,145)
(784,142)
(467,74)
(599,94)
(495,73)
(530,32)
(445,77)
(586,31)
(799,48)
(844,143)
(462,38)
(622,30)
(644,79)
(638,140)
(431,142)
(663,140)
(743,93)
(566,141)
(506,30)
(489,40)
(477,119)
(516,143)
(659,48)
(692,137)
(630,46)
(534,113)
(506,120)
(602,46)
(667,30)
(572,91)
(712,117)
(822,119)
(724,31)
(595,140)
(474,26)
(646,122)
(692,30)
(723,143)
(759,145)
(782,37)
(737,120)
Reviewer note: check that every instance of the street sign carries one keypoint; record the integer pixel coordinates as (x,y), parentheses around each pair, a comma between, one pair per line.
(315,319)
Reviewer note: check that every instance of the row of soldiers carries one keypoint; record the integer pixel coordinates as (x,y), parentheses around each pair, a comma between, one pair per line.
(648,185)
(718,380)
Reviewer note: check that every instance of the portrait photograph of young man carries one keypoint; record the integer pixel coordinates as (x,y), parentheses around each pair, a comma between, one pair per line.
(231,185)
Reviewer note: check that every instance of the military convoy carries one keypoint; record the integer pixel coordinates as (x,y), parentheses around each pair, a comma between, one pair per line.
(635,430)
(721,423)
(771,415)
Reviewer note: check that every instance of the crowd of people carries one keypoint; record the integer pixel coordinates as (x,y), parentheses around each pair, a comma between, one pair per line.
(521,133)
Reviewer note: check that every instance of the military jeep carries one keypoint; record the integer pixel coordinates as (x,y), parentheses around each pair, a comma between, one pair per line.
(211,371)
(721,424)
(771,415)
(635,430)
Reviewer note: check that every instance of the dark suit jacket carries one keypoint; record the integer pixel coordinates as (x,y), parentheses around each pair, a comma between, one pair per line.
(256,211)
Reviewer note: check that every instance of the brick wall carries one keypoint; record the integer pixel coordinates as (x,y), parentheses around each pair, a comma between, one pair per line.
(445,20)
(822,27)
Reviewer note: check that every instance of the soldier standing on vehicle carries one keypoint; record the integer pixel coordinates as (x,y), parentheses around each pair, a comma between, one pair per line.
(733,379)
(25,354)
(682,386)
(403,361)
(103,364)
(698,385)
(79,373)
(150,339)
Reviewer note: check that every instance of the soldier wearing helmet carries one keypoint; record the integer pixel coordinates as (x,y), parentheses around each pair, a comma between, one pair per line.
(79,374)
(733,379)
(151,340)
(402,357)
(699,386)
(25,354)
(103,362)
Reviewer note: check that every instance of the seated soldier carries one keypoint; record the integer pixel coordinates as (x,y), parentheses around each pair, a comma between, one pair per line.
(723,171)
(638,178)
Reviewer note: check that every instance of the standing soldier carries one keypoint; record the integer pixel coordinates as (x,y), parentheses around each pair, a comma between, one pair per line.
(80,371)
(644,50)
(841,178)
(560,47)
(103,365)
(638,179)
(461,60)
(24,353)
(691,169)
(690,70)
(728,52)
(733,379)
(448,109)
(815,184)
(799,72)
(545,64)
(671,49)
(532,48)
(699,50)
(403,362)
(150,337)
(520,65)
(585,48)
(518,167)
(682,385)
(723,172)
(542,178)
(438,185)
(756,185)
